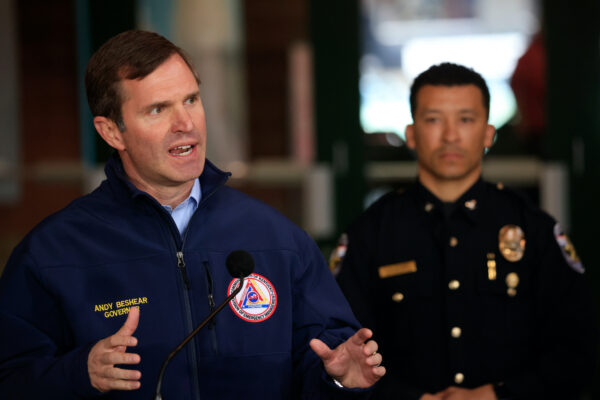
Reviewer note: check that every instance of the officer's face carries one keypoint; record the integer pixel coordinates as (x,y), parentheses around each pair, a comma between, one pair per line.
(164,142)
(449,133)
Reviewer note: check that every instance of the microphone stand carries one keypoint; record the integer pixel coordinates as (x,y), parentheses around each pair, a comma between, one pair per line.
(158,396)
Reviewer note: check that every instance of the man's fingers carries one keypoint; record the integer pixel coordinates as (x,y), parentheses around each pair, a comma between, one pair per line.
(375,360)
(131,323)
(118,339)
(107,384)
(379,371)
(110,378)
(123,374)
(321,349)
(111,351)
(112,358)
(122,339)
(125,385)
(370,347)
(361,336)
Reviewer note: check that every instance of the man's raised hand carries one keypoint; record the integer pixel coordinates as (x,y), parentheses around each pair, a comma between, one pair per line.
(111,351)
(354,363)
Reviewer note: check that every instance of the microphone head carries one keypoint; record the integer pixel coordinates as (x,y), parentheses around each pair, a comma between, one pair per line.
(240,263)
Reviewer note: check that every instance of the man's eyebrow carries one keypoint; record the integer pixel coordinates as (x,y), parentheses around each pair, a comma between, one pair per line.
(161,104)
(461,110)
(167,103)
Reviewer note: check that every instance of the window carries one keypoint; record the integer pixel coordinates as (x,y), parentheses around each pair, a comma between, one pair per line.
(402,38)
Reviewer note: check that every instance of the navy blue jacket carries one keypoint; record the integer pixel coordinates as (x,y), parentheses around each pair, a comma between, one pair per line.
(71,282)
(450,307)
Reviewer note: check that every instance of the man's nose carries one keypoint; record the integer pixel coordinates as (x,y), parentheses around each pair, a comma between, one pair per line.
(450,132)
(182,121)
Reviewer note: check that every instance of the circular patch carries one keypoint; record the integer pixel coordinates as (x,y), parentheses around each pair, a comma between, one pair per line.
(257,300)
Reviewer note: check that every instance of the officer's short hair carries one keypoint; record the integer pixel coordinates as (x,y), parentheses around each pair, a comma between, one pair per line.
(133,54)
(448,74)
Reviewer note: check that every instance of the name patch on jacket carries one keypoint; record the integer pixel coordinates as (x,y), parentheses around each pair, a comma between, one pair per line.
(119,307)
(257,300)
(388,271)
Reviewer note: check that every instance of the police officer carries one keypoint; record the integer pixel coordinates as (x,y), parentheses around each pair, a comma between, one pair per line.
(473,292)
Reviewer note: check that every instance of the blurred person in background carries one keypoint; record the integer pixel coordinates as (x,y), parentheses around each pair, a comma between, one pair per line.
(474,292)
(97,295)
(528,82)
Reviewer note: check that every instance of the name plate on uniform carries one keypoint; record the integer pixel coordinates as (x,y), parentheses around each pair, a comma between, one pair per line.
(387,271)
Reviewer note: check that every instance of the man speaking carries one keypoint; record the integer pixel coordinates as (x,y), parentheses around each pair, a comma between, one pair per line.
(97,295)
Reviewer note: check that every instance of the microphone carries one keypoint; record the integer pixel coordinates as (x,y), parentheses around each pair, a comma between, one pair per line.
(239,264)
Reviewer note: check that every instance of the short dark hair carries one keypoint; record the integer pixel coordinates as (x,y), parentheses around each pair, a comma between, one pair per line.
(132,54)
(448,74)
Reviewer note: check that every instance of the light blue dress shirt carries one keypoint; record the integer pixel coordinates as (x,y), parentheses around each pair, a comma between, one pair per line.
(183,212)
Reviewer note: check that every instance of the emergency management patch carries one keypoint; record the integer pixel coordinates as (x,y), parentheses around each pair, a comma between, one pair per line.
(257,300)
(568,250)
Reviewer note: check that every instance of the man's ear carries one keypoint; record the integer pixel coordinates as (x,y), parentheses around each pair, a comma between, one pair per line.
(409,135)
(490,132)
(109,131)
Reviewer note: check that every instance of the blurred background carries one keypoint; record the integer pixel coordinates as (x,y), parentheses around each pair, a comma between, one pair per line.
(307,100)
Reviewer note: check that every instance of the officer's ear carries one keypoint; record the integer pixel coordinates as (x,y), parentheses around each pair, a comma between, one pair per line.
(490,132)
(110,132)
(409,134)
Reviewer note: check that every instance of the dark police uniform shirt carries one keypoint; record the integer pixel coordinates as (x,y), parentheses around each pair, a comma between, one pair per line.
(484,290)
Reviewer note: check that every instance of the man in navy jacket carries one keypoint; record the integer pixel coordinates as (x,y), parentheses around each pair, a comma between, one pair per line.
(98,294)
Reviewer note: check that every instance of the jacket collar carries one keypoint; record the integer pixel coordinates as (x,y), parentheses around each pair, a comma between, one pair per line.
(210,179)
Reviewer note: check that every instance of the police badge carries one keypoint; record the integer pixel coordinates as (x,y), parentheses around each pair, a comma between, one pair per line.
(511,242)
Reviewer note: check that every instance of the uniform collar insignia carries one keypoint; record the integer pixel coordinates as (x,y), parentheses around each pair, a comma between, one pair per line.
(469,202)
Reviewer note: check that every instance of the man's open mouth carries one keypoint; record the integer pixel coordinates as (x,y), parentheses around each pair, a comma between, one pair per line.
(182,150)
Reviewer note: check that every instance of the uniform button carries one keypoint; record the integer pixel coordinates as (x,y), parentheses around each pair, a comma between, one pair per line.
(397,297)
(456,332)
(453,284)
(453,241)
(428,207)
(512,280)
(459,378)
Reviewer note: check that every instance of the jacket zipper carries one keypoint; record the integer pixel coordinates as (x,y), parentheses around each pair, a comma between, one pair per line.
(184,276)
(211,304)
(211,298)
(188,309)
(190,323)
(181,266)
(187,283)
